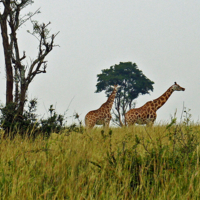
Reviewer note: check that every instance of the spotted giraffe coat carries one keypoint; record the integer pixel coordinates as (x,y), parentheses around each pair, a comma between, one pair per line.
(147,113)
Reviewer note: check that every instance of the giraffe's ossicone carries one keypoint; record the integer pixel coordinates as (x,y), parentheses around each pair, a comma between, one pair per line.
(102,115)
(147,113)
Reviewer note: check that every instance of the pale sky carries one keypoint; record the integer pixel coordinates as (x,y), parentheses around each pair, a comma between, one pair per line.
(161,37)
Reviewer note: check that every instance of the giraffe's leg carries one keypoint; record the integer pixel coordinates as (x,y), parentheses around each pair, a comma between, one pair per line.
(107,122)
(89,123)
(152,119)
(106,125)
(149,124)
(92,124)
(126,119)
(130,121)
(89,128)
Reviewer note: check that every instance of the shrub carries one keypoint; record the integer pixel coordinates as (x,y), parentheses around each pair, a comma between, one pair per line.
(28,124)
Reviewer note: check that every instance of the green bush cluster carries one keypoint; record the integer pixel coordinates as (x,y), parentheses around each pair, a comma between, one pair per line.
(29,124)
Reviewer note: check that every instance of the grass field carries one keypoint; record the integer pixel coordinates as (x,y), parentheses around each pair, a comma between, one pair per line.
(159,162)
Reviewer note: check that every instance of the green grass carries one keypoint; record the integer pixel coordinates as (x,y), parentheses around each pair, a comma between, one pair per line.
(159,162)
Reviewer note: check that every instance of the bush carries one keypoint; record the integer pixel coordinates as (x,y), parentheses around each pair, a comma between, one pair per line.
(28,124)
(12,122)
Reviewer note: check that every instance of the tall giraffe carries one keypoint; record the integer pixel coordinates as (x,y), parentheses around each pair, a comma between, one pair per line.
(147,113)
(102,115)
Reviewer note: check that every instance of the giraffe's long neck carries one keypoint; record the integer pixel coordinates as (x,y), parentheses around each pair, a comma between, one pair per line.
(160,101)
(108,104)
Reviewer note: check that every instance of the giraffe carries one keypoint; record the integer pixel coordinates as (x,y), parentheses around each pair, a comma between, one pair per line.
(102,115)
(147,113)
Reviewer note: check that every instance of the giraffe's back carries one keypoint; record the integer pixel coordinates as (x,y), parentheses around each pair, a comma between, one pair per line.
(142,115)
(97,117)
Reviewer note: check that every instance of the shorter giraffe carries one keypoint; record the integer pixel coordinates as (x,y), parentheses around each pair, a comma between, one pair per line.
(147,113)
(102,115)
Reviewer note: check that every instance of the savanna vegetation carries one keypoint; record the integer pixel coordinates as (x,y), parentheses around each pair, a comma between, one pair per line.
(44,159)
(159,162)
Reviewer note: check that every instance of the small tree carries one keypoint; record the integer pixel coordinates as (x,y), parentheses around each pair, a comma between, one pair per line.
(18,74)
(133,83)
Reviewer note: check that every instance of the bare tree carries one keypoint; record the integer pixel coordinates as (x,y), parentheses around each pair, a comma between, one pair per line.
(19,75)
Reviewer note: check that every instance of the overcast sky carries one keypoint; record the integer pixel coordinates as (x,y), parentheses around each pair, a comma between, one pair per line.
(161,37)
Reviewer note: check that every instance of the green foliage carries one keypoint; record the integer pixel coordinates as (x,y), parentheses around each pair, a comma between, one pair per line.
(182,135)
(74,127)
(13,123)
(28,124)
(39,29)
(132,81)
(126,74)
(53,123)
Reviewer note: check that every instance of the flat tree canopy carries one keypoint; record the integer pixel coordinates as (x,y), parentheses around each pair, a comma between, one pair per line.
(133,83)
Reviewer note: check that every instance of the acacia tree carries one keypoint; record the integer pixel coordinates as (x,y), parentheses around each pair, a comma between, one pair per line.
(18,74)
(133,83)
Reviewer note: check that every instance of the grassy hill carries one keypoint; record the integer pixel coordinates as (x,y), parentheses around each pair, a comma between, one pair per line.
(159,162)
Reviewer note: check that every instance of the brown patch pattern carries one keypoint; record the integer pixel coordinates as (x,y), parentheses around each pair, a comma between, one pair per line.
(147,113)
(102,115)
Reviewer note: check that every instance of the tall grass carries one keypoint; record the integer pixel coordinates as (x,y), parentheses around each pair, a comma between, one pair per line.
(159,162)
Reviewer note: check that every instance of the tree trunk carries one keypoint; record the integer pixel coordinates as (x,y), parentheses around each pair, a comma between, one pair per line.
(119,116)
(8,64)
(16,87)
(24,88)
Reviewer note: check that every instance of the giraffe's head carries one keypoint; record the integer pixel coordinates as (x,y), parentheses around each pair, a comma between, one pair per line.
(116,87)
(177,87)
